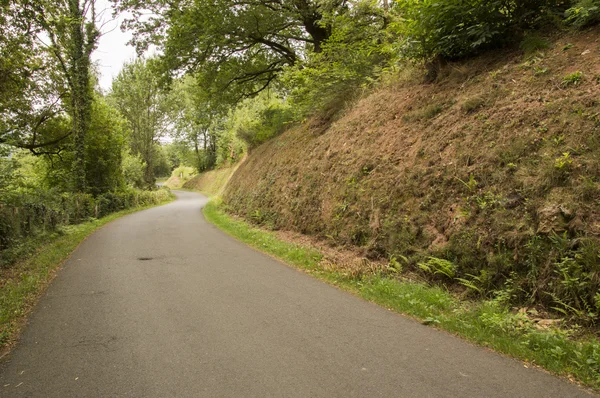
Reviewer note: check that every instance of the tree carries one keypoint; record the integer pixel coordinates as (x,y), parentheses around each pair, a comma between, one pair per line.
(235,47)
(138,96)
(195,119)
(32,89)
(66,31)
(104,142)
(71,28)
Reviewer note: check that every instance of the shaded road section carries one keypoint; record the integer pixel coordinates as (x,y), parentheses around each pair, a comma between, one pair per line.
(162,304)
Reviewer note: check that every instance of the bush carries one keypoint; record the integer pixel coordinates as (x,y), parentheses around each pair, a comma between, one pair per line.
(259,119)
(430,28)
(583,13)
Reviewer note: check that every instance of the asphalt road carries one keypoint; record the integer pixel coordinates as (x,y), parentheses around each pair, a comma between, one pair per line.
(162,304)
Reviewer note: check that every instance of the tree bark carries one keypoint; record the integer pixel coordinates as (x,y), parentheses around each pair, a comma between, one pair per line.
(80,100)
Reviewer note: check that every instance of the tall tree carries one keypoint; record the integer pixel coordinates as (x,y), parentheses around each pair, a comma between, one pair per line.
(136,93)
(66,31)
(194,120)
(71,28)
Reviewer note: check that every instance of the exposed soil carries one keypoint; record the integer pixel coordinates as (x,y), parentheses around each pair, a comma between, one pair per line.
(501,152)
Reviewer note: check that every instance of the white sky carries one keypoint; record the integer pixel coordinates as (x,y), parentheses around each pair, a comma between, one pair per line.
(113,50)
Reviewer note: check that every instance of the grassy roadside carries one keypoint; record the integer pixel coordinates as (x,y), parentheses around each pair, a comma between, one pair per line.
(23,283)
(488,323)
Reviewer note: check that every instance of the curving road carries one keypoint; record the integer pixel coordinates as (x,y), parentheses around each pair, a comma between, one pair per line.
(162,304)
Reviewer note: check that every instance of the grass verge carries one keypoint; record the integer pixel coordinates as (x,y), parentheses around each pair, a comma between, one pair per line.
(22,284)
(488,323)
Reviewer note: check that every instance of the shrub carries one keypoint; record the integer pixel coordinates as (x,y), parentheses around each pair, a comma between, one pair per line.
(532,43)
(430,28)
(583,13)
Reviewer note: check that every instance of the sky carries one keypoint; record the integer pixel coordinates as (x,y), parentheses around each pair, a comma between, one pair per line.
(112,51)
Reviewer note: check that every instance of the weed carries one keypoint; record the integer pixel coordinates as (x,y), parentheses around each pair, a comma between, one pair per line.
(561,169)
(471,184)
(568,46)
(558,140)
(473,104)
(438,266)
(432,111)
(572,79)
(532,43)
(488,200)
(476,283)
(564,162)
(538,71)
(396,266)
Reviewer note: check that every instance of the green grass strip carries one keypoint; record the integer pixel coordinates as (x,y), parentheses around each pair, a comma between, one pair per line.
(488,323)
(28,278)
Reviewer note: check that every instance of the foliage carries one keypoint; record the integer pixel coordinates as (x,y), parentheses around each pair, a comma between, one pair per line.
(259,119)
(572,79)
(196,120)
(533,43)
(162,167)
(355,54)
(438,266)
(144,105)
(105,138)
(583,13)
(133,169)
(431,29)
(31,84)
(237,48)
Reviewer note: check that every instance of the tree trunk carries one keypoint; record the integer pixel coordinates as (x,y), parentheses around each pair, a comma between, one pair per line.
(80,93)
(311,19)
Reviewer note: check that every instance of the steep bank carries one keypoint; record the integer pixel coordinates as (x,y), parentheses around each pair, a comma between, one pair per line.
(212,182)
(494,168)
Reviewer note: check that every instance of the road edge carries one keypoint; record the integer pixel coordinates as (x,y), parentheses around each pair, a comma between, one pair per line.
(33,276)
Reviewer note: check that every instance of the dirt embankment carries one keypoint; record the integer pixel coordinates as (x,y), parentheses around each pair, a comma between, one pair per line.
(495,167)
(212,182)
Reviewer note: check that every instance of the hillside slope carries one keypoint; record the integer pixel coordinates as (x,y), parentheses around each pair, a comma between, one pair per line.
(212,182)
(495,167)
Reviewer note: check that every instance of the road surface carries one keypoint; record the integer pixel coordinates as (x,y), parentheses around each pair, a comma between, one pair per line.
(162,304)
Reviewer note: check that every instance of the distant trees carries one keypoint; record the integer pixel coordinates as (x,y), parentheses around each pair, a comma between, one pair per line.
(195,118)
(137,95)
